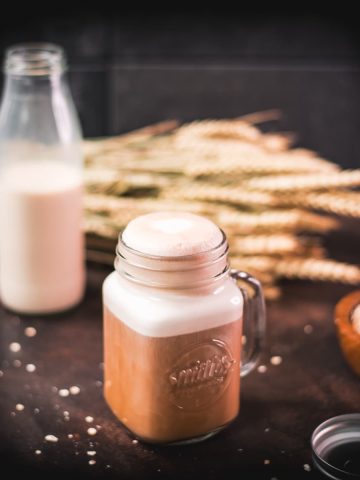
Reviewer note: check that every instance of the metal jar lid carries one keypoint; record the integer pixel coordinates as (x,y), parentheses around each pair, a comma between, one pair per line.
(335,447)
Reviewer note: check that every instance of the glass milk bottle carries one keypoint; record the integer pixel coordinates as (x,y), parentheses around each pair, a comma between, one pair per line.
(174,320)
(41,243)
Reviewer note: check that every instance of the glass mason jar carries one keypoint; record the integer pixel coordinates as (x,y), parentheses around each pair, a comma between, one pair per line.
(41,243)
(174,346)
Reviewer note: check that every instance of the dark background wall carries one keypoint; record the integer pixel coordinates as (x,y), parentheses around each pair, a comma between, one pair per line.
(127,71)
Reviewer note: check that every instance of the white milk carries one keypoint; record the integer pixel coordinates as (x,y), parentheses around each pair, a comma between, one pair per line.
(41,243)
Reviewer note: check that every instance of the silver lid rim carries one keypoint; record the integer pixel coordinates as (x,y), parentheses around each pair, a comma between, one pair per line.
(325,467)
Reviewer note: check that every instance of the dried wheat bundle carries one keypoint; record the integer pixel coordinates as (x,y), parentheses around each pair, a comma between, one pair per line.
(301,268)
(254,185)
(231,130)
(108,181)
(214,193)
(338,202)
(319,270)
(276,244)
(313,181)
(251,162)
(236,129)
(192,137)
(97,225)
(275,220)
(115,207)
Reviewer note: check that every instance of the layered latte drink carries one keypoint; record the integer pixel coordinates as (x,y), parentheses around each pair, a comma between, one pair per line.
(172,329)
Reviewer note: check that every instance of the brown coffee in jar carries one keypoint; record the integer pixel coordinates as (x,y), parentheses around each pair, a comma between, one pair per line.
(178,387)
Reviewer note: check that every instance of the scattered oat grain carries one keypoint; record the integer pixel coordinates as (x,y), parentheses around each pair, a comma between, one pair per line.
(30,367)
(17,363)
(262,368)
(276,360)
(92,462)
(64,392)
(51,438)
(307,467)
(36,410)
(89,419)
(37,452)
(74,390)
(14,347)
(70,435)
(30,331)
(92,431)
(267,462)
(91,453)
(135,441)
(19,407)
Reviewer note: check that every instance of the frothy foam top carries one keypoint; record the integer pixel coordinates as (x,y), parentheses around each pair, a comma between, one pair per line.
(171,234)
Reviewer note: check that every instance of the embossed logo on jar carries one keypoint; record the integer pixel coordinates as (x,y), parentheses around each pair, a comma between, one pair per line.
(201,375)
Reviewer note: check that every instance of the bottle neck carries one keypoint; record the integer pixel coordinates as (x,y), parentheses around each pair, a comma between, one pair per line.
(174,273)
(37,114)
(35,60)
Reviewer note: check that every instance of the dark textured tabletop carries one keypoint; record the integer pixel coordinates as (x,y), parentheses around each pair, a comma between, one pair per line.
(279,407)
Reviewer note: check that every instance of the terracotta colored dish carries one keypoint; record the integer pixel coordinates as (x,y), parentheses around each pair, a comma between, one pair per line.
(349,338)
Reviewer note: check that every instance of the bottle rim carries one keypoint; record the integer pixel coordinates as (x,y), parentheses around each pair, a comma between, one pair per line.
(181,272)
(35,59)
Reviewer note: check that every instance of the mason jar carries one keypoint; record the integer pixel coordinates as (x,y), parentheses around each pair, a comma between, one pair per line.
(174,329)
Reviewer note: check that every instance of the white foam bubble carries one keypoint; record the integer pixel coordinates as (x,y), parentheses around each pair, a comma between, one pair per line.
(171,234)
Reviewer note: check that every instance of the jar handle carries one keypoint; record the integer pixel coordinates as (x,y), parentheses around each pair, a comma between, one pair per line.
(254,321)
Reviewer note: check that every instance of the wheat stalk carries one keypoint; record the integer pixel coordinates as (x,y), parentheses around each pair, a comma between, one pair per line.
(341,203)
(314,269)
(274,220)
(215,193)
(251,162)
(313,181)
(276,244)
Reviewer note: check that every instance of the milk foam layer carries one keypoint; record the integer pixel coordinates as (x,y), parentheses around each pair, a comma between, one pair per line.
(171,234)
(156,313)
